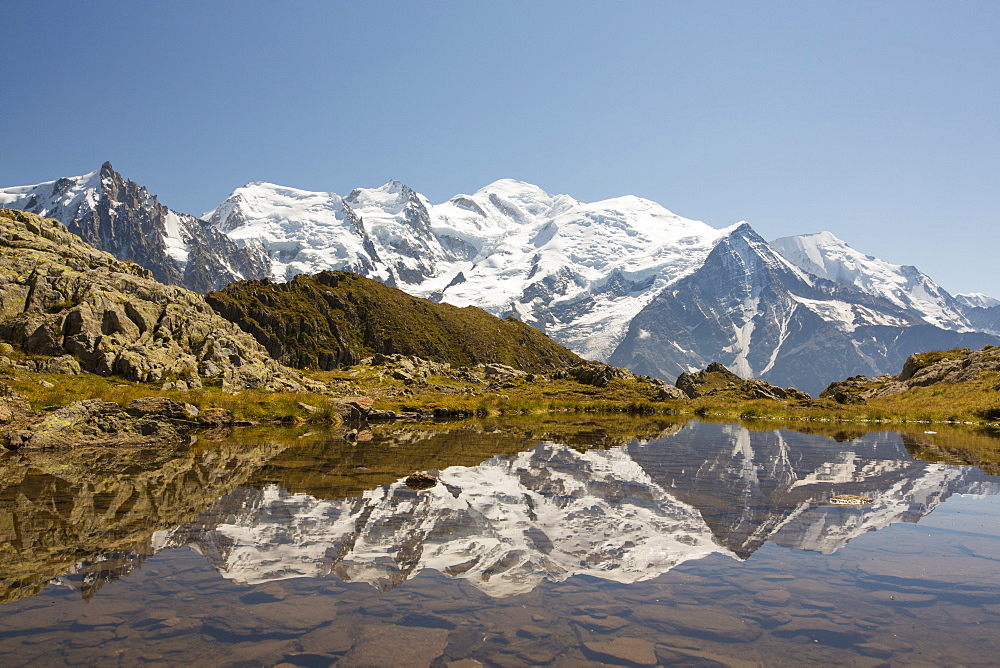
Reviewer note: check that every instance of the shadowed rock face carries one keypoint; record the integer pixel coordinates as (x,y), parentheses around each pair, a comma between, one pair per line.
(60,296)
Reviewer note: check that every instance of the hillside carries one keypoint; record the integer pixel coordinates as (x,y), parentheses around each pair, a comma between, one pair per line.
(60,297)
(334,318)
(960,380)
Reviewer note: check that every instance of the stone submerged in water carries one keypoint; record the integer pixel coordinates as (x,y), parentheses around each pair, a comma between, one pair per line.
(623,650)
(419,480)
(850,500)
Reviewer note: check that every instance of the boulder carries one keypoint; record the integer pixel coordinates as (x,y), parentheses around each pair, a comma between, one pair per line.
(217,417)
(420,480)
(598,374)
(716,379)
(158,406)
(96,422)
(352,408)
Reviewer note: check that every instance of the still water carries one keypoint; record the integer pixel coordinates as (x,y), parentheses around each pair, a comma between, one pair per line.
(546,542)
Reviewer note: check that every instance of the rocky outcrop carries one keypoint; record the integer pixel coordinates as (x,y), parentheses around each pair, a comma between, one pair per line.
(334,319)
(59,296)
(854,390)
(599,374)
(14,407)
(717,380)
(958,365)
(95,422)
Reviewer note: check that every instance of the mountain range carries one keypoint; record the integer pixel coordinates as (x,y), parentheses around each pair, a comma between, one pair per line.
(624,514)
(621,280)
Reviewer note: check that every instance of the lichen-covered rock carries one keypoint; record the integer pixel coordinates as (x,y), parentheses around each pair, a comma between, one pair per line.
(598,374)
(217,417)
(59,297)
(13,405)
(920,370)
(716,379)
(158,406)
(952,366)
(96,422)
(666,392)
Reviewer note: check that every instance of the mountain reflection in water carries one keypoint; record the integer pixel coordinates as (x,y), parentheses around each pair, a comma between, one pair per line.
(626,513)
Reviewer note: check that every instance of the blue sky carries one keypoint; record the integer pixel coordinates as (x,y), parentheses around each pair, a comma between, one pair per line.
(877,121)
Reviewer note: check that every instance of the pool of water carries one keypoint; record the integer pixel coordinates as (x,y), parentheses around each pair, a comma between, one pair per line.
(545,542)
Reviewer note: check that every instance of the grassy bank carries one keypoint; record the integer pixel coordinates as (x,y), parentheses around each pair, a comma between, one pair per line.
(976,402)
(44,390)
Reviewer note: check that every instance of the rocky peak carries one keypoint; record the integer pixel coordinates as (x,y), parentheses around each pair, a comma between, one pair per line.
(123,218)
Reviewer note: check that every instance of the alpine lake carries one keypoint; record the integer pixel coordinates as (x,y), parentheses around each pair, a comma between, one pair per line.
(564,540)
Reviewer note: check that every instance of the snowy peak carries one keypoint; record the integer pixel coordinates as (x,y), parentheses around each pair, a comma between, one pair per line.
(761,316)
(300,230)
(530,201)
(390,199)
(759,258)
(977,300)
(123,218)
(62,198)
(824,255)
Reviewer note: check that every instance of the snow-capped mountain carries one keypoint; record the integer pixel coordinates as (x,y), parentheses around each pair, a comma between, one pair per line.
(826,256)
(982,311)
(621,280)
(977,300)
(124,219)
(761,316)
(578,271)
(625,514)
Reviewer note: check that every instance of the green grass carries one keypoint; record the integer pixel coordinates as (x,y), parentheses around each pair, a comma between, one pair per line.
(250,405)
(976,401)
(334,318)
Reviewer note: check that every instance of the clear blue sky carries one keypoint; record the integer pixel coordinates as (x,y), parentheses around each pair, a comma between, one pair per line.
(878,121)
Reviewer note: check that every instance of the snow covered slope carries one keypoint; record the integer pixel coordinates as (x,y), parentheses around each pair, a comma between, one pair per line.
(578,271)
(761,316)
(977,300)
(124,219)
(826,256)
